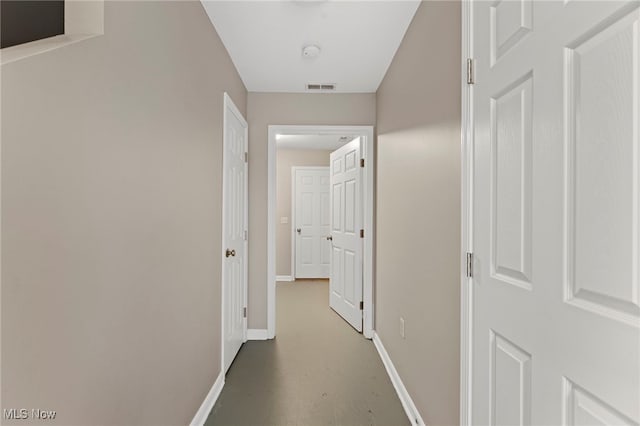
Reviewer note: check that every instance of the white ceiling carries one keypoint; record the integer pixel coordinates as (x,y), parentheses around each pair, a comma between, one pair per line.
(327,142)
(358,40)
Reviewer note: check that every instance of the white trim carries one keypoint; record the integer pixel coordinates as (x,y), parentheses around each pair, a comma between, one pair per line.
(257,334)
(407,403)
(284,278)
(294,169)
(207,405)
(466,293)
(37,47)
(292,227)
(229,106)
(368,153)
(271,233)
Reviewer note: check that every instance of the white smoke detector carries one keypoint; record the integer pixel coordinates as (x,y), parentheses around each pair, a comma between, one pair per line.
(310,51)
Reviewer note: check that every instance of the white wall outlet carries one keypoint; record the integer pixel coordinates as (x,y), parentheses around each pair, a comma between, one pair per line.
(284,220)
(402,327)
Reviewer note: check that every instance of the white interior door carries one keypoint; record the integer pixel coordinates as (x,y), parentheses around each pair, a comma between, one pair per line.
(311,222)
(556,309)
(235,214)
(345,282)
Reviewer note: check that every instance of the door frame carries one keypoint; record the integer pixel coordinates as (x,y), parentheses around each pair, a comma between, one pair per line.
(368,153)
(230,107)
(466,158)
(293,212)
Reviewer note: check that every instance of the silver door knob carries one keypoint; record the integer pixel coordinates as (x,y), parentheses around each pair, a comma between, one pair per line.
(230,253)
(299,230)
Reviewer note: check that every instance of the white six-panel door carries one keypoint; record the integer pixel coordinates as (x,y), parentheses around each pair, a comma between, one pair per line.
(311,222)
(234,267)
(556,309)
(345,282)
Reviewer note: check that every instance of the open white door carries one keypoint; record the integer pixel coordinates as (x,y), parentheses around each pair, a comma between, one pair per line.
(556,309)
(234,233)
(345,282)
(311,222)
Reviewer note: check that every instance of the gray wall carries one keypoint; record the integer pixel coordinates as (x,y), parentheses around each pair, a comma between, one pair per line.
(266,109)
(418,210)
(111,219)
(286,159)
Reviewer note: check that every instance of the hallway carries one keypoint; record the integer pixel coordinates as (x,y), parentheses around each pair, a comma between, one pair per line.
(318,371)
(472,174)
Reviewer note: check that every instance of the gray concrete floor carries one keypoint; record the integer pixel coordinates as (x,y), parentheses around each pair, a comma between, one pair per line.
(317,371)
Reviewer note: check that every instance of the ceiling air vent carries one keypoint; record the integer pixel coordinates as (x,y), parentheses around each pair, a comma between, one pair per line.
(326,86)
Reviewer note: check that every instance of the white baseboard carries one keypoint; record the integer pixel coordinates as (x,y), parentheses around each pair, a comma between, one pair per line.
(257,334)
(407,403)
(208,403)
(284,278)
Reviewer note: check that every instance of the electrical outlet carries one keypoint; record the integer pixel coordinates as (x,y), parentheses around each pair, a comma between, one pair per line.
(402,327)
(284,220)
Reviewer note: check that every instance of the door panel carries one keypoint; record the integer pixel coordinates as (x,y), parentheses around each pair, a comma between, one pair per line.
(234,227)
(311,219)
(582,408)
(346,213)
(511,383)
(511,114)
(556,309)
(603,85)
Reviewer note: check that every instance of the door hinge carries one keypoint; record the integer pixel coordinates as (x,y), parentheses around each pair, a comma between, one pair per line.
(469,265)
(362,233)
(246,235)
(470,72)
(244,313)
(361,306)
(362,162)
(246,157)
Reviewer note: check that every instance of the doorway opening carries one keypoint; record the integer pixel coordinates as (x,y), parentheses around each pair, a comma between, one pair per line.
(302,228)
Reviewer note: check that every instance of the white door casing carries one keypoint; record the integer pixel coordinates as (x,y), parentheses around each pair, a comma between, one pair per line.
(311,222)
(345,283)
(234,232)
(556,295)
(368,153)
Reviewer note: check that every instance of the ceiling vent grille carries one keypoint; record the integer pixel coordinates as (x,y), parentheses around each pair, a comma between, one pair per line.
(324,86)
